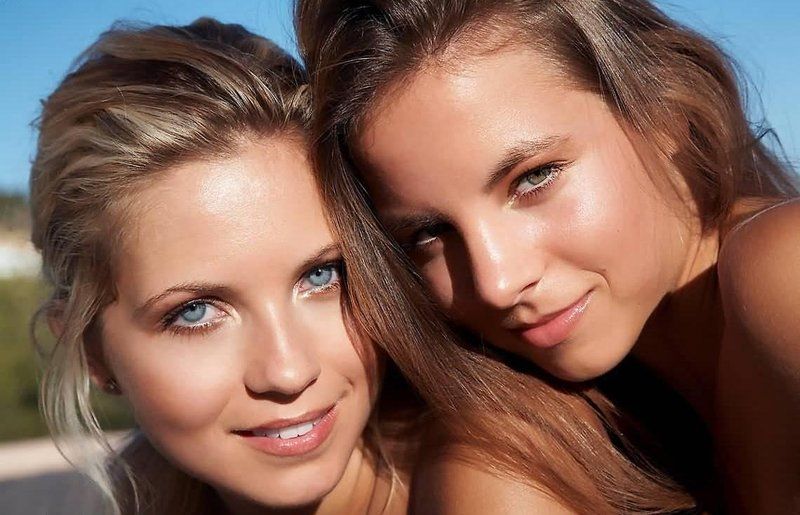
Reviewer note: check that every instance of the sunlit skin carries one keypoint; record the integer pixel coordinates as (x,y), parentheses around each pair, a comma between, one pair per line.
(517,198)
(227,318)
(532,213)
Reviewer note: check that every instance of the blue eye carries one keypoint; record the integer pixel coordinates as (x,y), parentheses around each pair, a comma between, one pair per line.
(193,313)
(320,278)
(196,314)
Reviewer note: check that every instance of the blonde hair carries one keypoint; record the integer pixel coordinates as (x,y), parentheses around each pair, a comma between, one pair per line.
(137,102)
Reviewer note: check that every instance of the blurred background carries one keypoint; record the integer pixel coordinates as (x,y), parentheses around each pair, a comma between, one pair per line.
(39,40)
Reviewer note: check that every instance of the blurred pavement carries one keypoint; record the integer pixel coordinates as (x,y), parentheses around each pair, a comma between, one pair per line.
(36,480)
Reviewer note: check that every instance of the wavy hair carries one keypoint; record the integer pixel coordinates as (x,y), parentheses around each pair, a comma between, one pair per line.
(138,101)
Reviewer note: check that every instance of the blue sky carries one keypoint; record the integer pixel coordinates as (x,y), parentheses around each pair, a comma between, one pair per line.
(39,40)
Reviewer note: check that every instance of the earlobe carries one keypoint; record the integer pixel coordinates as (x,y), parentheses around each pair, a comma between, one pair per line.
(111,387)
(100,373)
(55,322)
(102,378)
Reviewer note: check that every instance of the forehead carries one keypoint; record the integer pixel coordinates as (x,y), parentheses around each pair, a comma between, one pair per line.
(204,218)
(454,118)
(461,81)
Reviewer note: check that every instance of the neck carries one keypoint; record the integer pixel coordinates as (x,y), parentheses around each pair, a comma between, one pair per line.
(681,340)
(360,491)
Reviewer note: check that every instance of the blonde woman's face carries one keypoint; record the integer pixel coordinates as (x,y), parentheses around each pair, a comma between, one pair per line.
(227,335)
(527,208)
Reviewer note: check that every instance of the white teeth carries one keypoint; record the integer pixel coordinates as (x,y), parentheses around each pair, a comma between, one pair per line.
(289,432)
(272,433)
(304,428)
(286,433)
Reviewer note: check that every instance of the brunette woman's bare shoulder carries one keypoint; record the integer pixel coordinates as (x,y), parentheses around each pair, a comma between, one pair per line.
(759,272)
(448,484)
(758,384)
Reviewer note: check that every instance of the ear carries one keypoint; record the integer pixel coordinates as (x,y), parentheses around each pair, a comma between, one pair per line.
(55,318)
(100,373)
(102,377)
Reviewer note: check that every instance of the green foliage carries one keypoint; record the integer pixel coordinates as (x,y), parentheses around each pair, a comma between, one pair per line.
(19,368)
(14,215)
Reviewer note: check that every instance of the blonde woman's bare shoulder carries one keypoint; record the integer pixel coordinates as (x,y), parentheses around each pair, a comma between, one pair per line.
(450,485)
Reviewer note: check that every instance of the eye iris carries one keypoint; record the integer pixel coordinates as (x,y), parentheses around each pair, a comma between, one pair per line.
(194,312)
(434,231)
(320,276)
(537,177)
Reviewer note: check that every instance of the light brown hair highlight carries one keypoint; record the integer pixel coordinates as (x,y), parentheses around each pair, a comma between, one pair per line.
(674,88)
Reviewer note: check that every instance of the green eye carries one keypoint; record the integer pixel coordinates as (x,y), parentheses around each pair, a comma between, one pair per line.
(537,177)
(535,180)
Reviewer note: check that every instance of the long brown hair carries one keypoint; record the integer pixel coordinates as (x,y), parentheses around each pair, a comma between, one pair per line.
(671,85)
(676,88)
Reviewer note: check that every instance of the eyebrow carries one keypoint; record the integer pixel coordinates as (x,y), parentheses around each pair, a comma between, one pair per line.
(218,290)
(401,224)
(193,288)
(518,153)
(325,252)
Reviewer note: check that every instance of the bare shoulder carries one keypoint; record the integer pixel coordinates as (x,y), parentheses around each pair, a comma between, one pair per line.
(450,485)
(758,387)
(759,272)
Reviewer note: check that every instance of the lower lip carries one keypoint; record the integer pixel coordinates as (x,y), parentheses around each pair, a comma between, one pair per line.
(556,330)
(299,445)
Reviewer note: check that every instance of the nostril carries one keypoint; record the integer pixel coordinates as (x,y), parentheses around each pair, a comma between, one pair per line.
(281,394)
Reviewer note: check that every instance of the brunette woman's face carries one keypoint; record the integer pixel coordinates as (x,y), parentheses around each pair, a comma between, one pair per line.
(227,335)
(527,208)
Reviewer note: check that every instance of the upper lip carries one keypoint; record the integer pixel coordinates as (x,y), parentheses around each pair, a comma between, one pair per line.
(286,422)
(522,325)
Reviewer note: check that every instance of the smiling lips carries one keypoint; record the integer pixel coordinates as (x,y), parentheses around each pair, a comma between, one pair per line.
(292,437)
(554,328)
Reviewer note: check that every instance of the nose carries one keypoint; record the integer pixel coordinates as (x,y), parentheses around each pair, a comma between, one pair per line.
(502,263)
(282,360)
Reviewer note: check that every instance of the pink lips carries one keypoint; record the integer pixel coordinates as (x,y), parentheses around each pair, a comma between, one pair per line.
(293,445)
(556,327)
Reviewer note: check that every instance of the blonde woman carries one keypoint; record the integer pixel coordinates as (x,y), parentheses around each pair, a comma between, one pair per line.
(194,273)
(576,182)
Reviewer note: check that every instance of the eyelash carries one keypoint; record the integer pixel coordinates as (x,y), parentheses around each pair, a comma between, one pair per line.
(337,266)
(168,321)
(556,170)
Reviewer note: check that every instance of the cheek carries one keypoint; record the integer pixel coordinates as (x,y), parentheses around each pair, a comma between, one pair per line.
(175,386)
(620,228)
(342,352)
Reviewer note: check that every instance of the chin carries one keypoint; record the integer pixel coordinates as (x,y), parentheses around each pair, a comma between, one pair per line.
(299,496)
(576,363)
(287,493)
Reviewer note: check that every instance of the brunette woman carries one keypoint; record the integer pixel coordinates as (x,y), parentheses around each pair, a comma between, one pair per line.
(576,182)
